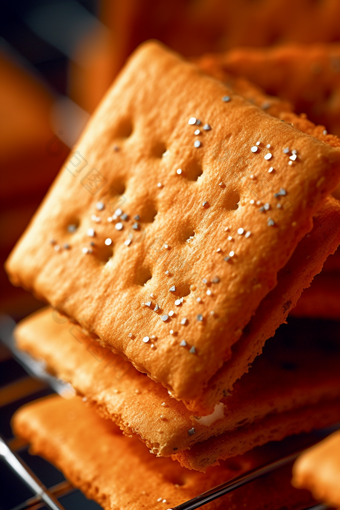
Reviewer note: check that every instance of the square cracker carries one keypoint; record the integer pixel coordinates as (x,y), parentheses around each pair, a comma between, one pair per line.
(119,472)
(283,378)
(145,116)
(308,76)
(318,470)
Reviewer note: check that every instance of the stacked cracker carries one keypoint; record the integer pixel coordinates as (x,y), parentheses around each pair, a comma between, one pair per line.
(179,234)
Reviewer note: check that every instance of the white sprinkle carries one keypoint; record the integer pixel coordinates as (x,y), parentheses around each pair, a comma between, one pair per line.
(218,250)
(183,343)
(100,206)
(252,176)
(231,254)
(171,313)
(258,202)
(165,154)
(240,231)
(95,218)
(198,122)
(152,295)
(179,171)
(252,201)
(230,238)
(290,162)
(178,302)
(254,148)
(167,272)
(197,144)
(221,184)
(148,304)
(166,246)
(172,332)
(324,132)
(258,143)
(268,145)
(209,292)
(192,121)
(146,339)
(118,212)
(172,289)
(159,185)
(279,206)
(293,157)
(206,127)
(294,151)
(197,132)
(184,321)
(226,229)
(271,169)
(226,99)
(108,241)
(85,250)
(164,318)
(127,242)
(199,300)
(90,232)
(286,150)
(119,226)
(248,234)
(130,335)
(268,156)
(57,247)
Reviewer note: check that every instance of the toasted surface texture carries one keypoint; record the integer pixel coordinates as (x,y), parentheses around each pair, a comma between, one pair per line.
(306,261)
(146,115)
(41,336)
(308,76)
(119,472)
(318,470)
(284,379)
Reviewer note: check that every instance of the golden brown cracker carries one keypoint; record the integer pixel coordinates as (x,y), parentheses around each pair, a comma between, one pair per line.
(218,25)
(182,223)
(274,309)
(119,472)
(272,428)
(307,76)
(284,379)
(318,470)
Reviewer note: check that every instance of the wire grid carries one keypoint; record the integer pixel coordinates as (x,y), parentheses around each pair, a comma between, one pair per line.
(38,378)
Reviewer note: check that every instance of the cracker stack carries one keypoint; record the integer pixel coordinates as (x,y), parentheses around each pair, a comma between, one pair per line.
(178,236)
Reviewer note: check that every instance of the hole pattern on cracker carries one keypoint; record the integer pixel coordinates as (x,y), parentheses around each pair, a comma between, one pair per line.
(143,276)
(193,171)
(159,243)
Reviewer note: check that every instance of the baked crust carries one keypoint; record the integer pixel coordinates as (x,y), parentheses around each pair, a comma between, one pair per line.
(146,114)
(119,472)
(318,469)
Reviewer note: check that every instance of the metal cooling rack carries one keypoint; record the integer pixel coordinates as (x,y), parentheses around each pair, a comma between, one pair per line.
(49,497)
